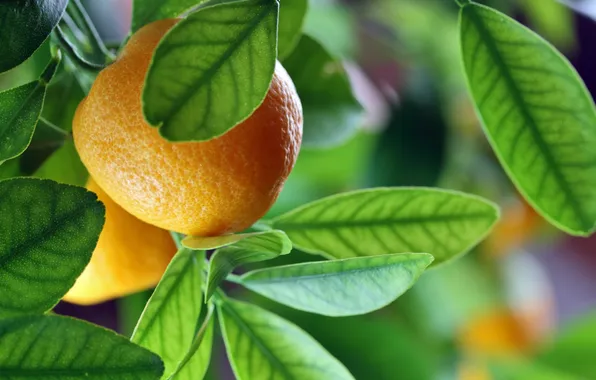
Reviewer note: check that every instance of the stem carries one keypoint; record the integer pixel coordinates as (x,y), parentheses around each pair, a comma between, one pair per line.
(463,3)
(234,278)
(177,239)
(48,124)
(87,25)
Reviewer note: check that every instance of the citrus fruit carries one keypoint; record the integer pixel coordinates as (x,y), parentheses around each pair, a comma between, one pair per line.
(130,256)
(205,188)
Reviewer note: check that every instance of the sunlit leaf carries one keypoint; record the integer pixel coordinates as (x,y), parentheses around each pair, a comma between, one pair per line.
(48,233)
(331,112)
(169,321)
(147,11)
(340,287)
(390,220)
(260,343)
(24,27)
(254,248)
(20,108)
(52,347)
(291,18)
(537,114)
(212,70)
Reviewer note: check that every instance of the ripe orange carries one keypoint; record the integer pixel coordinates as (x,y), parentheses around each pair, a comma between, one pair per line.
(130,256)
(204,188)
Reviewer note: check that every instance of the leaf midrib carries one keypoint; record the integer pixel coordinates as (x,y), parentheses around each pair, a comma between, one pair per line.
(376,223)
(184,99)
(524,108)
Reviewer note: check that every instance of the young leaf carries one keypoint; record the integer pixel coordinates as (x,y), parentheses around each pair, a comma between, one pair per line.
(177,302)
(331,113)
(340,287)
(291,18)
(147,11)
(260,343)
(390,220)
(212,70)
(196,362)
(213,242)
(64,166)
(537,114)
(257,247)
(48,233)
(24,27)
(20,108)
(51,347)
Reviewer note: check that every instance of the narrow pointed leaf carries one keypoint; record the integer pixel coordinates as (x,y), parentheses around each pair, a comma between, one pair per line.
(331,112)
(25,26)
(262,246)
(291,19)
(48,233)
(390,220)
(261,344)
(212,70)
(20,108)
(537,114)
(213,242)
(169,321)
(52,347)
(147,11)
(196,362)
(340,287)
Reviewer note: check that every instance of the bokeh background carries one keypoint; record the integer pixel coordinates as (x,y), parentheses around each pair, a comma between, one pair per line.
(522,305)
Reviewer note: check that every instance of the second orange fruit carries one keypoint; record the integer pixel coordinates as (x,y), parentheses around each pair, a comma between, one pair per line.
(200,188)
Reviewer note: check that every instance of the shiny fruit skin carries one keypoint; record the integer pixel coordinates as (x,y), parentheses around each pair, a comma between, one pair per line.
(130,256)
(206,188)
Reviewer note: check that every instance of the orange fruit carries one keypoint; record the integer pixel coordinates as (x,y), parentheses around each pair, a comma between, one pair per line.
(130,256)
(206,188)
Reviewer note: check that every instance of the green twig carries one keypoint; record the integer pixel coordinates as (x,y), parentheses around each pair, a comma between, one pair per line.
(462,3)
(234,278)
(48,124)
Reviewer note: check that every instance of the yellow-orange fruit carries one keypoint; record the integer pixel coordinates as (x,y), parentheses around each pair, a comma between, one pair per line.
(130,256)
(203,188)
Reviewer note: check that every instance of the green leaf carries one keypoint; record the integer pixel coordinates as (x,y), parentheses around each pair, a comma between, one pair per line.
(254,248)
(20,108)
(340,287)
(212,70)
(64,166)
(196,362)
(537,114)
(573,349)
(147,11)
(48,233)
(331,113)
(213,242)
(169,321)
(390,220)
(24,27)
(52,347)
(291,19)
(521,369)
(260,343)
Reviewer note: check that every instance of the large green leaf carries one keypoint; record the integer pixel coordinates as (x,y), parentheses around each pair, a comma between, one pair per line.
(331,113)
(537,114)
(291,18)
(24,27)
(20,108)
(340,287)
(257,247)
(55,347)
(169,321)
(261,344)
(64,166)
(212,70)
(196,362)
(147,11)
(48,233)
(573,349)
(390,220)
